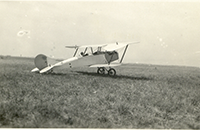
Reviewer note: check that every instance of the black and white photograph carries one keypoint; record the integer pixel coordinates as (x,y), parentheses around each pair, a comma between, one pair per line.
(100,64)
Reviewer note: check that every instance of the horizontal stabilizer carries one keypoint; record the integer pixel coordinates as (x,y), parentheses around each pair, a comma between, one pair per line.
(35,70)
(105,65)
(46,69)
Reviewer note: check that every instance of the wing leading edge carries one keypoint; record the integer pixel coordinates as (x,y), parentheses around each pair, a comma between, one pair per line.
(85,46)
(116,46)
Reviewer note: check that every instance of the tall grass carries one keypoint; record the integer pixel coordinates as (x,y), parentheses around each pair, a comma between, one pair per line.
(140,96)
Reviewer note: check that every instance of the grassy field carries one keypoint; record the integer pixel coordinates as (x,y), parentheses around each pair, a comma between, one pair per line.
(140,96)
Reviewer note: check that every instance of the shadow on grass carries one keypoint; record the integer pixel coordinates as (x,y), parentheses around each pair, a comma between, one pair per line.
(54,74)
(101,75)
(116,76)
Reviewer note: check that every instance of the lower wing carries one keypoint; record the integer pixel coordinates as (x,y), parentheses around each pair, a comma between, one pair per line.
(104,65)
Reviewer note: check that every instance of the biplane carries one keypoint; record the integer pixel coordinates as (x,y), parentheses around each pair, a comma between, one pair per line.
(103,57)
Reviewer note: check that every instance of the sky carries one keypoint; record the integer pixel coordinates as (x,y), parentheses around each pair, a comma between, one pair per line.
(168,32)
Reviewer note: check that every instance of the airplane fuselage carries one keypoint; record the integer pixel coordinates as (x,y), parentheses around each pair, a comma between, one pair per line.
(44,63)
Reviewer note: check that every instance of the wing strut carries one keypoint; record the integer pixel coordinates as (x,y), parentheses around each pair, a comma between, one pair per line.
(123,53)
(91,50)
(75,52)
(85,50)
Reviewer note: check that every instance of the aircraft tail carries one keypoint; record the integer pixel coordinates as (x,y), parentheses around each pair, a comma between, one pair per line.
(41,61)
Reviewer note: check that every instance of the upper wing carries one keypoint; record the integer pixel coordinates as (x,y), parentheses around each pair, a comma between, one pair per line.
(107,47)
(116,46)
(104,65)
(84,46)
(72,46)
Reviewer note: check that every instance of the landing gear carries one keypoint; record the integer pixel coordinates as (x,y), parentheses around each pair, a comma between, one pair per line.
(110,71)
(101,70)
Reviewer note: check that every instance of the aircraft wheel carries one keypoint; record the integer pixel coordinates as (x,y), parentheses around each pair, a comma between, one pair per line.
(101,70)
(111,72)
